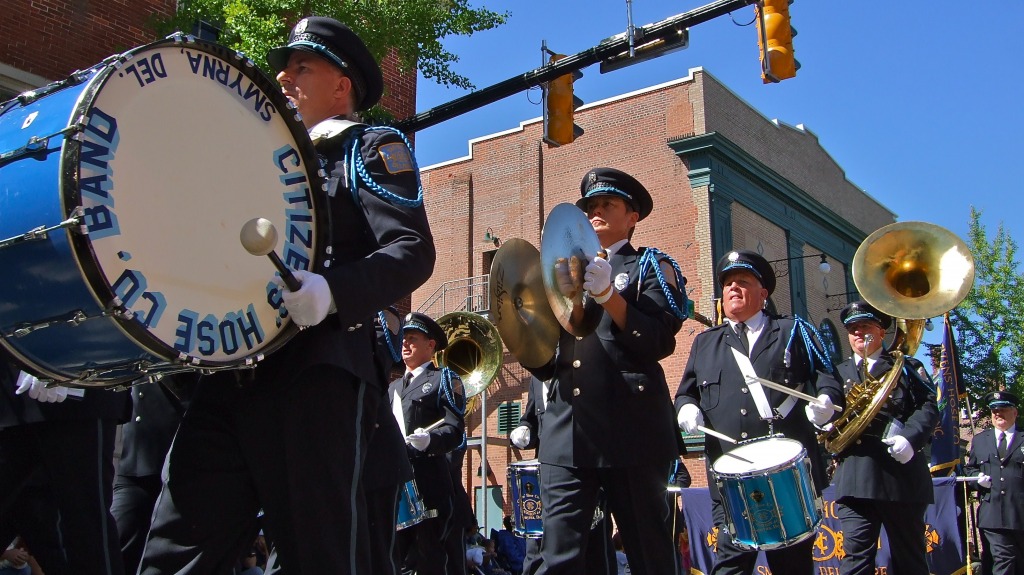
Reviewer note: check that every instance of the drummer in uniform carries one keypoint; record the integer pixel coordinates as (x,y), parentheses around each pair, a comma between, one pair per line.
(714,392)
(431,403)
(291,436)
(608,423)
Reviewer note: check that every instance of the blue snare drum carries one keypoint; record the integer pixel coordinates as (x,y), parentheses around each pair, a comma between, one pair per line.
(410,507)
(524,484)
(124,188)
(768,493)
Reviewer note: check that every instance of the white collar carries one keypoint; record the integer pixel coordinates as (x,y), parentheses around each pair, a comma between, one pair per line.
(755,323)
(614,248)
(416,372)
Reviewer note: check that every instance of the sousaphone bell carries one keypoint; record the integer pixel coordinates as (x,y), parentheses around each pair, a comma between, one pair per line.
(474,350)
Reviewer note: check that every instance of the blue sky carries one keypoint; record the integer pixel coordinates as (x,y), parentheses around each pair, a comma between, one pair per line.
(919,102)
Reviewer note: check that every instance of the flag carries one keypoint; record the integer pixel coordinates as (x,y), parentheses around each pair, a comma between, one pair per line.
(949,392)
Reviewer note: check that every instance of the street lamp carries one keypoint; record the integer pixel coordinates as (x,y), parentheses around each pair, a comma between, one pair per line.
(783,270)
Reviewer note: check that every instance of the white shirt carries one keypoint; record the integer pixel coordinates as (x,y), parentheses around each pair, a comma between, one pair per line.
(1009,436)
(755,325)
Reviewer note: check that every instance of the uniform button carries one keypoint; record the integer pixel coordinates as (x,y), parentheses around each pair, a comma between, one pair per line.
(744,390)
(351,328)
(358,325)
(636,333)
(575,392)
(743,435)
(743,411)
(640,387)
(858,442)
(140,395)
(576,363)
(579,338)
(1001,479)
(138,418)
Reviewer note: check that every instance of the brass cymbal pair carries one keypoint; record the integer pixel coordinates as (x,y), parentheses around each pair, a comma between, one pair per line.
(528,304)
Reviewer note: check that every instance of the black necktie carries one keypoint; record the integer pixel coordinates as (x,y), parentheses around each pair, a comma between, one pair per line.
(741,332)
(406,379)
(1001,446)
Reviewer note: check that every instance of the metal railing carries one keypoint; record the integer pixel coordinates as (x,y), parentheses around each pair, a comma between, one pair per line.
(470,294)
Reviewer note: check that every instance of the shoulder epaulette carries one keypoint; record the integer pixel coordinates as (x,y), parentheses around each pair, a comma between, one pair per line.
(653,257)
(357,171)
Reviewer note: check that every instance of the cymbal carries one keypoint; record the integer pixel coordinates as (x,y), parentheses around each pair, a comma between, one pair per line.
(520,308)
(568,235)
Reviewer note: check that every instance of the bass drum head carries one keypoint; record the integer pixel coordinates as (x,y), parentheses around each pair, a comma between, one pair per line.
(185,141)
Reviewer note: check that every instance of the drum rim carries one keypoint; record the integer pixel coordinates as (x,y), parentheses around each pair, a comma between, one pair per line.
(81,246)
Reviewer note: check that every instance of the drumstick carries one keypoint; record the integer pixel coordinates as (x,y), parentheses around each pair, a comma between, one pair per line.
(800,395)
(721,436)
(966,479)
(432,426)
(259,238)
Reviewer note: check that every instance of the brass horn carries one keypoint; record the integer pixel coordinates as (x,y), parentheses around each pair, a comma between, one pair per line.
(911,271)
(474,350)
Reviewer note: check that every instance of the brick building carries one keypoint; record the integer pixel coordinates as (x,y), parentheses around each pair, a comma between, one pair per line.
(722,177)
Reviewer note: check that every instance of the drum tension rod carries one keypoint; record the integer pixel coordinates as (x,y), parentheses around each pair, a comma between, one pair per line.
(40,233)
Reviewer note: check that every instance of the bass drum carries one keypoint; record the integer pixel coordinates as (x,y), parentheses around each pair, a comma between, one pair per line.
(123,190)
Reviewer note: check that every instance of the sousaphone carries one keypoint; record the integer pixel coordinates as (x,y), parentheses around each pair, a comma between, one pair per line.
(474,350)
(911,271)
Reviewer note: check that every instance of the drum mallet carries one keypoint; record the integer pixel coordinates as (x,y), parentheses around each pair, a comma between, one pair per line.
(259,238)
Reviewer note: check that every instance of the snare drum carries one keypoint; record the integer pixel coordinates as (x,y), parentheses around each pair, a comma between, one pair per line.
(524,484)
(124,191)
(768,493)
(411,509)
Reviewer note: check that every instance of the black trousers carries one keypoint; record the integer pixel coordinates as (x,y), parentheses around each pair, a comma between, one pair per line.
(862,521)
(600,552)
(76,460)
(294,448)
(34,517)
(1006,546)
(134,499)
(636,499)
(381,506)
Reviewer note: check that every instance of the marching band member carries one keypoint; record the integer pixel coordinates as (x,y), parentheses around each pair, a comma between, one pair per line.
(423,396)
(608,423)
(997,458)
(714,388)
(883,478)
(290,437)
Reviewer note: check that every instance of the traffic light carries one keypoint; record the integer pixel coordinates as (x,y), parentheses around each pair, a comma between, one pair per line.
(775,39)
(559,104)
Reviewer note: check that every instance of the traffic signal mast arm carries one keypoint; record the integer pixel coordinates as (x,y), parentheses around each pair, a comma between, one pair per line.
(609,49)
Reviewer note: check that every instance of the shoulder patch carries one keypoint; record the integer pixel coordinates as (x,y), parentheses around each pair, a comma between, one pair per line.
(396,157)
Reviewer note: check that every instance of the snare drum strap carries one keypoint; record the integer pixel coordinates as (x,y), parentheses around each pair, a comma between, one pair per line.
(757,390)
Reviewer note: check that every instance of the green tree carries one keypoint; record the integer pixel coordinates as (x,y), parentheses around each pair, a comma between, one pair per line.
(413,29)
(989,323)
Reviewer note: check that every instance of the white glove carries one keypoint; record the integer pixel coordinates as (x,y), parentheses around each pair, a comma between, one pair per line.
(819,412)
(311,304)
(38,391)
(900,448)
(984,481)
(520,436)
(419,440)
(689,418)
(598,279)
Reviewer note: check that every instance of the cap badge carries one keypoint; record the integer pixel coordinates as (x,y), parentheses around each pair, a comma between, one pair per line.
(301,26)
(733,256)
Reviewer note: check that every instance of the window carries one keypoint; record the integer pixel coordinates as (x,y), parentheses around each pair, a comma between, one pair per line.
(508,417)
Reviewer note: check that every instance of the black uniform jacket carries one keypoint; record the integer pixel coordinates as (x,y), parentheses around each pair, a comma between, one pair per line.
(423,403)
(866,469)
(380,252)
(713,381)
(156,413)
(21,409)
(1002,505)
(609,404)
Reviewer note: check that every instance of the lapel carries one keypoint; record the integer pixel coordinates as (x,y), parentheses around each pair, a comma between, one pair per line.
(417,383)
(769,335)
(624,261)
(1018,437)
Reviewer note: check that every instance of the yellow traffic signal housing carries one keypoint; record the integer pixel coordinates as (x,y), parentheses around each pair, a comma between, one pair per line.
(775,39)
(559,105)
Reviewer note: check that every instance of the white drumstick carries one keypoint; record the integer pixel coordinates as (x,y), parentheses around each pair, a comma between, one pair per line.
(966,479)
(721,436)
(798,394)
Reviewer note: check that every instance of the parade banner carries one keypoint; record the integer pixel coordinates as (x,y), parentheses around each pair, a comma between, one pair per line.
(945,549)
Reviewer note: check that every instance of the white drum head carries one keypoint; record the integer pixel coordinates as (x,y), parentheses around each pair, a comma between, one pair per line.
(185,144)
(758,456)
